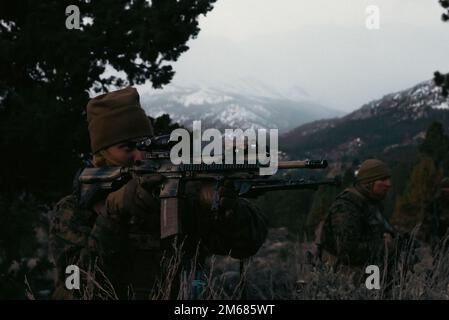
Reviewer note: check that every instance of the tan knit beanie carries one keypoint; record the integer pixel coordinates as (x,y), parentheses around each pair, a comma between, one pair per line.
(372,170)
(115,117)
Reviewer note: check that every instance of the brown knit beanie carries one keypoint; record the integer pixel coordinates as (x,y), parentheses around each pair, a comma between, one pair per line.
(372,170)
(115,117)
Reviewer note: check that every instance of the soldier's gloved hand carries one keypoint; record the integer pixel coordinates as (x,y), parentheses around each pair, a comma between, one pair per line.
(228,197)
(137,197)
(151,181)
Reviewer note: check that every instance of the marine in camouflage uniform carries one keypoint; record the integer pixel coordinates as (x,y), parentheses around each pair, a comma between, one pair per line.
(119,232)
(355,232)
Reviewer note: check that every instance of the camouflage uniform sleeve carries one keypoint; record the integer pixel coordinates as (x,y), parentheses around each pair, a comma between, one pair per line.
(83,237)
(69,233)
(241,233)
(111,228)
(352,244)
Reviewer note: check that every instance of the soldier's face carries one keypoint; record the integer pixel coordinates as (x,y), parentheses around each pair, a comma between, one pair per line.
(381,187)
(125,153)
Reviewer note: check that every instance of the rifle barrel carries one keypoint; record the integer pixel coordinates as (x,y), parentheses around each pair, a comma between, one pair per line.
(260,188)
(303,164)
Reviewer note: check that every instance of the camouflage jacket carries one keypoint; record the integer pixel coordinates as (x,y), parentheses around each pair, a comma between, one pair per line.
(353,230)
(123,240)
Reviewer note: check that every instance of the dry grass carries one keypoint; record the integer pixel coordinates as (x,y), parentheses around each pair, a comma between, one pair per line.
(281,270)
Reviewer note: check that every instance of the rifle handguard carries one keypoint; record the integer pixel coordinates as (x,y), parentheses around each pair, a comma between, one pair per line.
(304,164)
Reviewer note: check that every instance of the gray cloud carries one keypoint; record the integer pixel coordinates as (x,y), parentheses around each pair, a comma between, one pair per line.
(321,46)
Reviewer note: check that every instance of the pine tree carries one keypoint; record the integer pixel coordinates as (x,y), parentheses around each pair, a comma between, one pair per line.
(436,145)
(163,124)
(410,208)
(47,70)
(445,5)
(46,74)
(423,181)
(442,80)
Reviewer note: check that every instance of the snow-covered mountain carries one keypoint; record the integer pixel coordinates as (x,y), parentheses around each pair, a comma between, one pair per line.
(390,126)
(410,104)
(240,105)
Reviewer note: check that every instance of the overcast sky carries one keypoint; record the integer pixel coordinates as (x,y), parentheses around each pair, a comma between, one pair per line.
(322,46)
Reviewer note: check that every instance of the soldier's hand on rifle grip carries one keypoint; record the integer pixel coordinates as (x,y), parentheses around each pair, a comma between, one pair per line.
(228,197)
(150,182)
(136,198)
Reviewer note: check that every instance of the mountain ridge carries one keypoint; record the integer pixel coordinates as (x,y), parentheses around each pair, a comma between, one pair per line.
(383,127)
(228,107)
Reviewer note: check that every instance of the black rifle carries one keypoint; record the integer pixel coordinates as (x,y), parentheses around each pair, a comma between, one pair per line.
(255,188)
(246,178)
